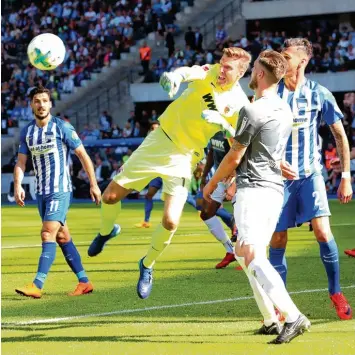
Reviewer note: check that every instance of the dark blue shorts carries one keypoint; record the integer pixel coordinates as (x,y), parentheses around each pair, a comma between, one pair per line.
(54,207)
(304,200)
(156,183)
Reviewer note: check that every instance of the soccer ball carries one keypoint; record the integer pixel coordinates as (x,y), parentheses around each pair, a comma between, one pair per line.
(46,51)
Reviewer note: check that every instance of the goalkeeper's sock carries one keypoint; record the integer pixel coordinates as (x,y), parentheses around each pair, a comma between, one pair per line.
(73,259)
(160,240)
(109,214)
(45,262)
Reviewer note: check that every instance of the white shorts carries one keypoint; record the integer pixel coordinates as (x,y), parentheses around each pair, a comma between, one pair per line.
(256,213)
(219,194)
(158,156)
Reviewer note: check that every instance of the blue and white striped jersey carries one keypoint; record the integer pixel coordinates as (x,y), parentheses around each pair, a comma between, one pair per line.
(310,103)
(49,148)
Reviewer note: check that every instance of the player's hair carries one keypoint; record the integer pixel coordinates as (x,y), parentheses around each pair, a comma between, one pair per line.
(274,63)
(238,53)
(39,89)
(302,44)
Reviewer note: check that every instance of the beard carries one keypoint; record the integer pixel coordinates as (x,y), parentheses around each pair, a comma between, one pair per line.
(41,116)
(253,84)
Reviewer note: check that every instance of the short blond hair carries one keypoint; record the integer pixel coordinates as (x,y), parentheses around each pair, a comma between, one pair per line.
(239,54)
(274,63)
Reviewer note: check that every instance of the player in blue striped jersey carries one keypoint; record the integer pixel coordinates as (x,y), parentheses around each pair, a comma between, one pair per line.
(47,140)
(305,197)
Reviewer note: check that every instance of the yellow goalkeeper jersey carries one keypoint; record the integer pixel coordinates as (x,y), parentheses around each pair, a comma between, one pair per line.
(182,119)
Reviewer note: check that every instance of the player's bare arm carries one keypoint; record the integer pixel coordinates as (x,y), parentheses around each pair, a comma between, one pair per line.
(345,190)
(226,168)
(86,162)
(19,172)
(207,168)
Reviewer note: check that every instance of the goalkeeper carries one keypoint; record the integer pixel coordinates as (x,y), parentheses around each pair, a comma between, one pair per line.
(210,103)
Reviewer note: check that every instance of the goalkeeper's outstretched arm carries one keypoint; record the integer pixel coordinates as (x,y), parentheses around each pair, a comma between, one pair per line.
(170,81)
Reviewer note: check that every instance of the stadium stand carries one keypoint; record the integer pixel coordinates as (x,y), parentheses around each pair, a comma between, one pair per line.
(95,33)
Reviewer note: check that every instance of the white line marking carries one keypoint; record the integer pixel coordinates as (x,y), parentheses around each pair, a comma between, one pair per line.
(127,311)
(138,238)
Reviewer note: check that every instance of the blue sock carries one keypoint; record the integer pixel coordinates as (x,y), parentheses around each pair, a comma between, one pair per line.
(73,259)
(330,257)
(148,206)
(226,217)
(45,262)
(278,261)
(191,201)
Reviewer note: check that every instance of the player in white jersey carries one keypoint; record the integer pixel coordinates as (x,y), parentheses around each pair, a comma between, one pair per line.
(172,151)
(305,197)
(47,140)
(261,135)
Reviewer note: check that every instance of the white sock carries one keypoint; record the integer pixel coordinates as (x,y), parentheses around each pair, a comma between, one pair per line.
(271,282)
(266,307)
(216,228)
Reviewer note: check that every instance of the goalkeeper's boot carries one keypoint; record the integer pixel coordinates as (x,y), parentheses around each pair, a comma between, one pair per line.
(292,330)
(341,306)
(145,282)
(82,288)
(99,242)
(30,290)
(229,258)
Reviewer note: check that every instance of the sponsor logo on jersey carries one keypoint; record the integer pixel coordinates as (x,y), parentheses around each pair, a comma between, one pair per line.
(208,98)
(217,144)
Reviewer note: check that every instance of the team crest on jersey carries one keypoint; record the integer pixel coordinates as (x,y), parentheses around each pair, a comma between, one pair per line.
(243,124)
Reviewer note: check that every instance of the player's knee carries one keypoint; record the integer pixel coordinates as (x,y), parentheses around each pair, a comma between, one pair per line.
(149,196)
(279,240)
(62,238)
(207,213)
(169,224)
(322,235)
(110,198)
(47,235)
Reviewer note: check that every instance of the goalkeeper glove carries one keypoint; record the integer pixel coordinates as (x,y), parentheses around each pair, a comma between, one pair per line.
(215,117)
(170,82)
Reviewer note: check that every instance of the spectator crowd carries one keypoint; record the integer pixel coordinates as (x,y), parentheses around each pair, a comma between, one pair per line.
(94,32)
(334,45)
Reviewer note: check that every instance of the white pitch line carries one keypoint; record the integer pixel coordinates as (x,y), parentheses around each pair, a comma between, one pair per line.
(135,238)
(154,308)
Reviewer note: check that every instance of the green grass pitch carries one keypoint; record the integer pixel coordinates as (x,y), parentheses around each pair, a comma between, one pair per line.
(193,308)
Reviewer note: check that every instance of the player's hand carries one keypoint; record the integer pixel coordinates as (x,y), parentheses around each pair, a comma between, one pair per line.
(345,191)
(20,196)
(208,190)
(95,194)
(287,170)
(170,83)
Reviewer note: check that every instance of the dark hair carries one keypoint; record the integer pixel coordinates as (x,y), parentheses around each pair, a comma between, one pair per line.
(274,63)
(39,89)
(302,44)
